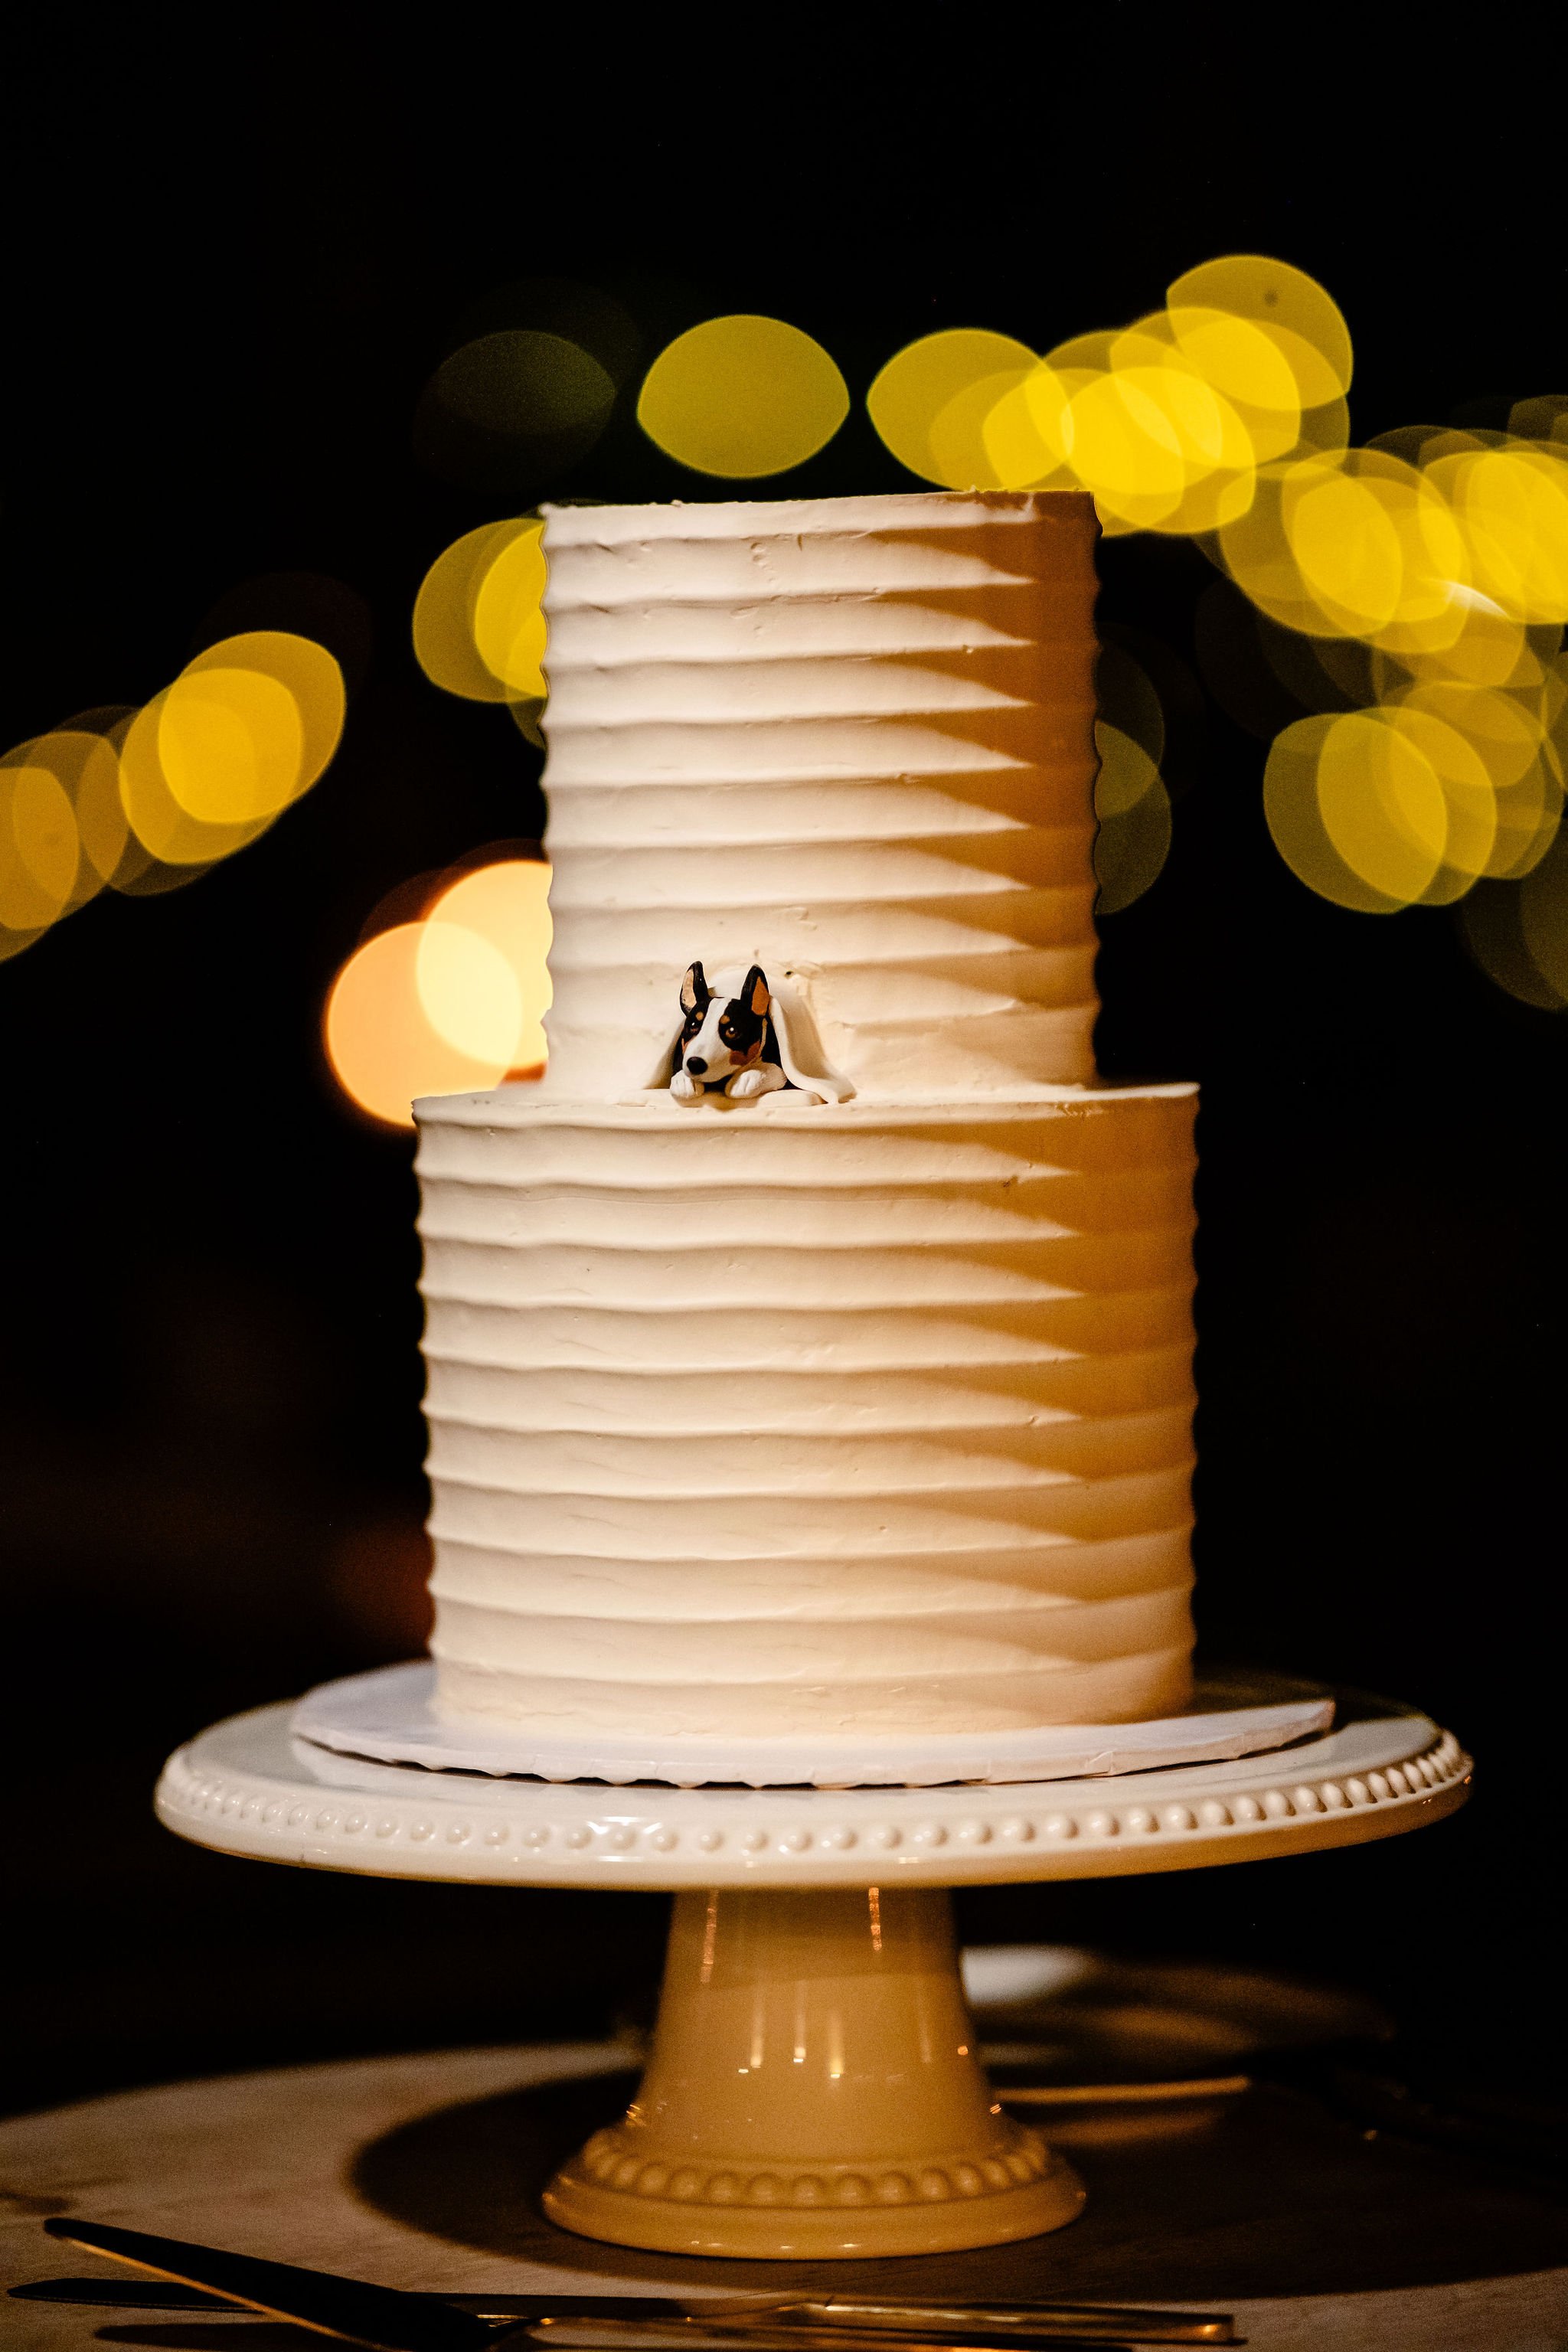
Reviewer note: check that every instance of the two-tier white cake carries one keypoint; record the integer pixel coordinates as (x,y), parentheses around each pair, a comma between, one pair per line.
(773,1414)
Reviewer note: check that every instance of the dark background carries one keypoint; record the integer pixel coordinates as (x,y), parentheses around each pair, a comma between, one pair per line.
(234,256)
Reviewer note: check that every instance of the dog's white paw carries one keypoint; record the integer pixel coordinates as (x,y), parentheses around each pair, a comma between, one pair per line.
(762,1080)
(685,1087)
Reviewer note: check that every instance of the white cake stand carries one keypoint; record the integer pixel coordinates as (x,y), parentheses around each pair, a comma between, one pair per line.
(812,2089)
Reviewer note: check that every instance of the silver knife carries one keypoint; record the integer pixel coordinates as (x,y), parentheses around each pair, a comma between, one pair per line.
(388,2319)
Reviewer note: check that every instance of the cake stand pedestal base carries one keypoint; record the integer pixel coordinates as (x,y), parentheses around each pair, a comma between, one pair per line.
(812,2090)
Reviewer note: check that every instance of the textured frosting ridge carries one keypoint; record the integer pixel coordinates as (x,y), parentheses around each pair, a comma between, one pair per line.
(852,736)
(867,1419)
(783,1416)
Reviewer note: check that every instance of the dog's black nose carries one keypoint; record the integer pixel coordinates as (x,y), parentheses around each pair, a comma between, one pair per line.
(696,1065)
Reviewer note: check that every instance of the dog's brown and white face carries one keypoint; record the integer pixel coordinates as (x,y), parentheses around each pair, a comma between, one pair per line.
(721,1034)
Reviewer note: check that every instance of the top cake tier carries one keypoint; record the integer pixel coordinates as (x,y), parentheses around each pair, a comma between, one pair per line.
(848,740)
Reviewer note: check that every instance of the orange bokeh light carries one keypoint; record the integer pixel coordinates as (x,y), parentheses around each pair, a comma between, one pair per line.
(451,1003)
(383,1048)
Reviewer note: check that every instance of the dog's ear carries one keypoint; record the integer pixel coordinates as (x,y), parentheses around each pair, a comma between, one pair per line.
(694,991)
(754,991)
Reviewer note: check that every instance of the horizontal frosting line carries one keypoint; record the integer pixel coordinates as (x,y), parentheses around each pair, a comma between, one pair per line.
(979,1309)
(855,871)
(811,1588)
(738,826)
(1104,1456)
(844,1488)
(1055,673)
(828,752)
(974,1433)
(1048,1610)
(1018,1296)
(847,1523)
(709,1344)
(1120,1614)
(1065,1198)
(991,1247)
(1010,1384)
(673,1186)
(932,1280)
(1043,1554)
(872,514)
(620,710)
(899,1116)
(774,1652)
(925,1443)
(589,637)
(1123,1690)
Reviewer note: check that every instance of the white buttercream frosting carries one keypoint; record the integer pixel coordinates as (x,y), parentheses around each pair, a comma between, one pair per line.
(783,1415)
(849,737)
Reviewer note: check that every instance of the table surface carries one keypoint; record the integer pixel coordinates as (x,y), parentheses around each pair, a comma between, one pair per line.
(424,2172)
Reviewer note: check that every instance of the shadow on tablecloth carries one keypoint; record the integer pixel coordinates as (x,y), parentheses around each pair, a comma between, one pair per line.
(1272,2197)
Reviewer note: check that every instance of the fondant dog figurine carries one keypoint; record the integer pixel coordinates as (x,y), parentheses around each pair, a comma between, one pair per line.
(726,1042)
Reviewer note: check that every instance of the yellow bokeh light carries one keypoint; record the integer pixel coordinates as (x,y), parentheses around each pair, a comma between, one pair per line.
(960,435)
(1126,771)
(383,1049)
(1471,836)
(507,905)
(1382,804)
(1544,916)
(508,614)
(84,758)
(743,396)
(1257,552)
(1293,310)
(1507,734)
(1240,361)
(444,610)
(100,816)
(1132,805)
(1124,447)
(524,383)
(230,745)
(1351,545)
(1512,505)
(1346,548)
(922,383)
(307,671)
(210,762)
(1296,821)
(1487,648)
(1023,430)
(1133,809)
(1491,924)
(39,851)
(514,405)
(167,830)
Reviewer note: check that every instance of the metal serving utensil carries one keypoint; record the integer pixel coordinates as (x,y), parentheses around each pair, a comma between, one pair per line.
(389,2319)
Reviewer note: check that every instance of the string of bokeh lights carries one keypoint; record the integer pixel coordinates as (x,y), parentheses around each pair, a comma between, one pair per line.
(1423,577)
(1408,596)
(143,801)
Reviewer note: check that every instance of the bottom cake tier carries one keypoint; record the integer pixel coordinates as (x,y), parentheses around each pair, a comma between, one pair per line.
(780,1416)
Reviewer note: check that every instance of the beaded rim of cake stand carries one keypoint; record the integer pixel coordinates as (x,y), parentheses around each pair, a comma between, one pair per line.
(241,1788)
(610,2160)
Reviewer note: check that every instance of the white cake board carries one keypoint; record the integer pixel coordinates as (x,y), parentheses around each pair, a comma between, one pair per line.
(389,1717)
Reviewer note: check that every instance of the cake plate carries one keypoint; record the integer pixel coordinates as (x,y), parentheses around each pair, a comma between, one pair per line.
(812,2088)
